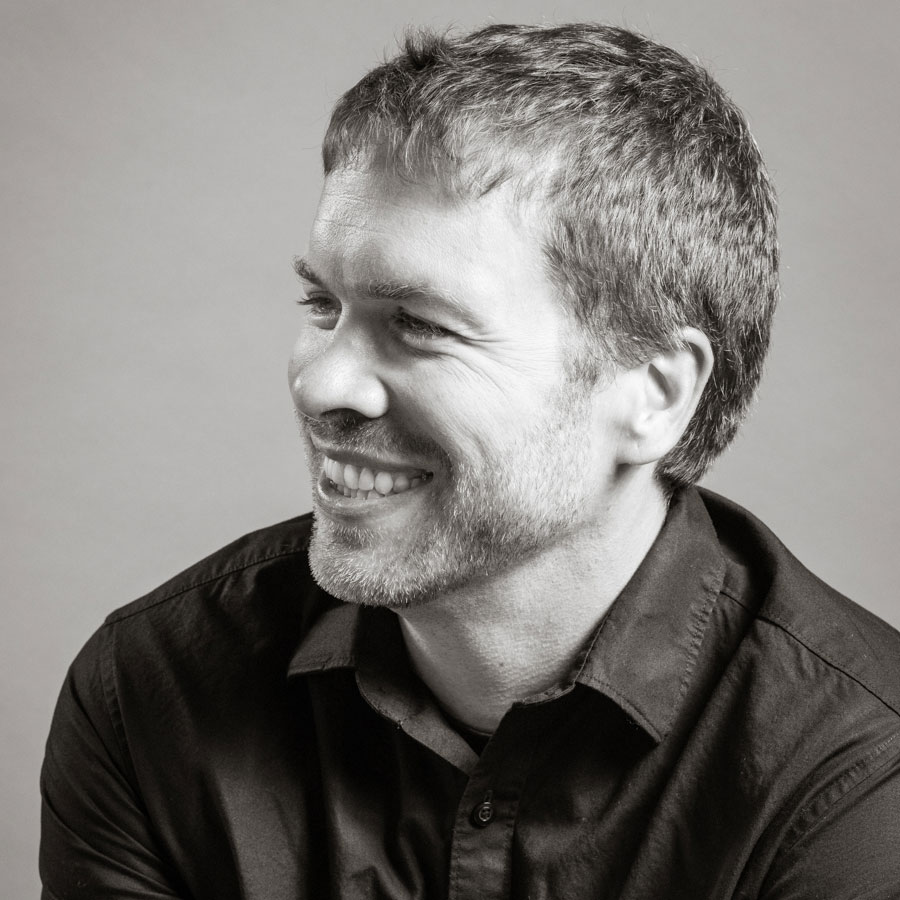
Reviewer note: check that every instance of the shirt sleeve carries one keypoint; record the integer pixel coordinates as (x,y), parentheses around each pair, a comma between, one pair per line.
(97,842)
(849,846)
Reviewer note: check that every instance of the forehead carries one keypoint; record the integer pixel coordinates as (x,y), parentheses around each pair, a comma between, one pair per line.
(372,225)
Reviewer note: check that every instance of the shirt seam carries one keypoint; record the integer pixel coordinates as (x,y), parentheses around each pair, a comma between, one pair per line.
(857,775)
(699,626)
(843,668)
(724,590)
(111,693)
(122,616)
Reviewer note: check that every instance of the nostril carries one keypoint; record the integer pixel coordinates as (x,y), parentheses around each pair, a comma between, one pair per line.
(341,377)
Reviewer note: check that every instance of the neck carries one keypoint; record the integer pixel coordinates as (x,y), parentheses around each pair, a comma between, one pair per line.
(517,633)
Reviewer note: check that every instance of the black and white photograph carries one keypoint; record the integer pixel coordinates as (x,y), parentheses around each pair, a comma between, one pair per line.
(450,450)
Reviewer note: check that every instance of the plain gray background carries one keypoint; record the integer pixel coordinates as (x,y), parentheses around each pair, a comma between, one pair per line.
(159,171)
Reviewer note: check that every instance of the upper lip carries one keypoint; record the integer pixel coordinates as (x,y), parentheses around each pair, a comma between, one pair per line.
(367,462)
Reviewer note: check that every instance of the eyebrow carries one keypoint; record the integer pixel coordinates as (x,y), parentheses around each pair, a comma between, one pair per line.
(397,291)
(305,271)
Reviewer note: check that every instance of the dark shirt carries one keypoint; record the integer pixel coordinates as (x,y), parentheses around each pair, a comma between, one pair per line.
(731,731)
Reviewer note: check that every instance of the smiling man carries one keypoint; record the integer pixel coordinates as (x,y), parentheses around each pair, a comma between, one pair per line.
(514,652)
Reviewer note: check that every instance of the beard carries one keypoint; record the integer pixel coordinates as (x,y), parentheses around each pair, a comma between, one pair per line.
(476,518)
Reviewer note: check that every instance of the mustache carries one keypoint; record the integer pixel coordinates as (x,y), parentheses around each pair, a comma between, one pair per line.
(354,433)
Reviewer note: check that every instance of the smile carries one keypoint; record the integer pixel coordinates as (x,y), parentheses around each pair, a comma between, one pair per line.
(364,483)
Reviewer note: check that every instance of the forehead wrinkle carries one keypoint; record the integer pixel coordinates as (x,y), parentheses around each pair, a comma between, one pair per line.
(360,255)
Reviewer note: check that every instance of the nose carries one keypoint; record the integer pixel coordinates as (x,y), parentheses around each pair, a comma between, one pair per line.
(337,371)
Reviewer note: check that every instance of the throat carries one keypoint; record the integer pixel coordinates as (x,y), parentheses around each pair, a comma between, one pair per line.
(477,681)
(514,635)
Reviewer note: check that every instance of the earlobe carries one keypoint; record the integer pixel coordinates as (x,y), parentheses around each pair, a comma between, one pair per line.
(665,392)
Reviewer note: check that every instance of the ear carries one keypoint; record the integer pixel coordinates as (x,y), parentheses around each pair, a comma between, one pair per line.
(663,394)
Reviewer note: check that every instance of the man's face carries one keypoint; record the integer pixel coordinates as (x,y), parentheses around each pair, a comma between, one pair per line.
(445,441)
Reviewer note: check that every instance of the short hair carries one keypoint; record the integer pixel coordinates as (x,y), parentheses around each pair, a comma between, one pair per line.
(660,211)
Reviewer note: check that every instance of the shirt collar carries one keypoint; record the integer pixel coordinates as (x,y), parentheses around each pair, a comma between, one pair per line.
(645,650)
(330,643)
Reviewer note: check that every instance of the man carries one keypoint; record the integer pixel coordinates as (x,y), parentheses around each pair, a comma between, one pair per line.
(514,652)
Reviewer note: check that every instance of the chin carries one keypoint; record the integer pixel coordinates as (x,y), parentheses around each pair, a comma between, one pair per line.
(356,567)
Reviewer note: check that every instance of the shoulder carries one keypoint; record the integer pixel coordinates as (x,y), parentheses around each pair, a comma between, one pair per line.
(797,613)
(810,683)
(235,616)
(195,672)
(280,547)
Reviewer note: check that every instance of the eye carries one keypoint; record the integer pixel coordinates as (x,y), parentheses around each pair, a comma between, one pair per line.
(323,311)
(418,329)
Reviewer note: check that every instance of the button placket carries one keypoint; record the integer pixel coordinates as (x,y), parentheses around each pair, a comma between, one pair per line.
(480,855)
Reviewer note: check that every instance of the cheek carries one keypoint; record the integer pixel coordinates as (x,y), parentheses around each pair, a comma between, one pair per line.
(309,344)
(471,419)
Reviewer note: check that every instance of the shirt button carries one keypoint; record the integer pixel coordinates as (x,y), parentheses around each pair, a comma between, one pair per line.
(483,813)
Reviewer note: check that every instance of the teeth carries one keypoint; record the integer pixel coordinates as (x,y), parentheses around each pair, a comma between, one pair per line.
(366,480)
(363,483)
